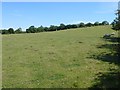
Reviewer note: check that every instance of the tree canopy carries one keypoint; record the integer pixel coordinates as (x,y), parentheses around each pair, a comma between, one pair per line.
(116,22)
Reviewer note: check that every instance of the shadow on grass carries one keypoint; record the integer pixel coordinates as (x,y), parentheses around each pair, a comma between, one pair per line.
(107,80)
(113,39)
(113,47)
(107,57)
(110,79)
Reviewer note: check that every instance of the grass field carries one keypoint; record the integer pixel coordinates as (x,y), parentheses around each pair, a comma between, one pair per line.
(76,58)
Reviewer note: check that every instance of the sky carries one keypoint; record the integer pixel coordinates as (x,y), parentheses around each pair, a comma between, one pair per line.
(26,14)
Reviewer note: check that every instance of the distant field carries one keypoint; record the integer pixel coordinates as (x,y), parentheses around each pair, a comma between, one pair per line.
(72,58)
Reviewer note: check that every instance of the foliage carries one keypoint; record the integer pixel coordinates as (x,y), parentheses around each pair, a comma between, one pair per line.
(4,31)
(68,26)
(11,31)
(62,26)
(52,28)
(96,24)
(46,29)
(19,30)
(40,29)
(89,24)
(116,22)
(81,25)
(31,29)
(73,26)
(105,23)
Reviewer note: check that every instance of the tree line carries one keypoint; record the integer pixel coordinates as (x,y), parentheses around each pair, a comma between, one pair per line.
(33,29)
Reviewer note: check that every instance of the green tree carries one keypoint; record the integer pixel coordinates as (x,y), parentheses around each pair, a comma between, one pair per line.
(68,26)
(73,26)
(28,31)
(105,23)
(11,31)
(89,24)
(46,29)
(58,28)
(96,24)
(62,26)
(4,31)
(19,30)
(52,28)
(113,23)
(40,29)
(116,22)
(31,29)
(81,24)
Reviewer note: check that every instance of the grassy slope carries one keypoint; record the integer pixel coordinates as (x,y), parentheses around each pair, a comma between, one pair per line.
(54,59)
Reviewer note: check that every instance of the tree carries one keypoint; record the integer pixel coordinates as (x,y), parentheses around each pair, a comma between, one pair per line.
(40,29)
(81,25)
(100,23)
(31,29)
(11,31)
(105,23)
(74,26)
(4,31)
(89,24)
(52,28)
(68,26)
(96,24)
(116,22)
(113,23)
(46,29)
(19,30)
(62,26)
(28,31)
(58,28)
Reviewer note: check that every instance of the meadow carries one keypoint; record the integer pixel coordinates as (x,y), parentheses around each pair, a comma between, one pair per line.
(74,58)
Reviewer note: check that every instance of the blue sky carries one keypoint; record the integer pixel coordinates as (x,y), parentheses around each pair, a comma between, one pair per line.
(25,14)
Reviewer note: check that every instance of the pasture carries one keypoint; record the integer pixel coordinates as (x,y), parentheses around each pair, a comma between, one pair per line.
(75,58)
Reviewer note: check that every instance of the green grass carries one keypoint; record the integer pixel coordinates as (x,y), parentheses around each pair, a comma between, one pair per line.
(54,59)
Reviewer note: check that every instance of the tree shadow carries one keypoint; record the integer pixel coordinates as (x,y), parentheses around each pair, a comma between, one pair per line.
(113,39)
(110,79)
(113,47)
(107,80)
(107,57)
